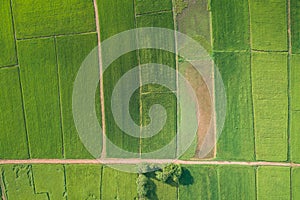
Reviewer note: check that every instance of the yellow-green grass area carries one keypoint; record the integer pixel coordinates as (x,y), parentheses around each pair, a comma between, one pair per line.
(198,182)
(71,52)
(273,183)
(269,25)
(295,177)
(117,184)
(230,24)
(236,142)
(270,100)
(13,143)
(115,17)
(52,17)
(236,182)
(83,181)
(19,183)
(165,191)
(295,25)
(7,42)
(49,179)
(162,20)
(195,22)
(150,6)
(39,80)
(295,82)
(295,136)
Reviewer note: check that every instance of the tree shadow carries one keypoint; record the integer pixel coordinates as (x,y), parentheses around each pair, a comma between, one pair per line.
(152,194)
(186,177)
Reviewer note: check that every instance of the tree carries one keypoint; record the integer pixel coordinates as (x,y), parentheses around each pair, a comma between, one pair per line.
(171,172)
(144,187)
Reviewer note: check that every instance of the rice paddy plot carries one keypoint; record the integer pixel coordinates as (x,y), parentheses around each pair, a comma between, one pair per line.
(118,185)
(230,24)
(151,6)
(295,82)
(236,142)
(52,17)
(72,50)
(237,182)
(198,182)
(295,176)
(273,183)
(13,142)
(295,136)
(7,42)
(295,26)
(268,25)
(38,71)
(270,101)
(83,181)
(55,184)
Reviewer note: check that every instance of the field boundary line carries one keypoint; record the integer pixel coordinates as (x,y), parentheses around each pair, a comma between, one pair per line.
(154,12)
(60,99)
(113,161)
(103,152)
(268,51)
(8,66)
(59,35)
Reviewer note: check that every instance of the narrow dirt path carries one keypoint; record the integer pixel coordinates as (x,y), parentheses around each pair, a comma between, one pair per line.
(103,154)
(116,161)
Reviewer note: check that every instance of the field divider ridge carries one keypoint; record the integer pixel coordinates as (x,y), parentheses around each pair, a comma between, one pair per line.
(58,35)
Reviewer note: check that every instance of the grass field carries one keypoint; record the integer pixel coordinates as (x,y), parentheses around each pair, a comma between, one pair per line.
(236,142)
(45,18)
(150,6)
(273,183)
(8,47)
(295,183)
(40,89)
(230,24)
(71,51)
(55,184)
(295,25)
(237,182)
(20,184)
(83,181)
(12,126)
(203,185)
(269,79)
(269,25)
(118,185)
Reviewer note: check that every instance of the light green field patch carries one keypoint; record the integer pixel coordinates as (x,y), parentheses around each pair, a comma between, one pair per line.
(268,25)
(198,182)
(236,142)
(149,6)
(163,20)
(49,179)
(168,132)
(165,191)
(295,25)
(72,50)
(230,24)
(52,17)
(237,182)
(19,183)
(295,82)
(295,183)
(118,185)
(38,70)
(115,17)
(13,142)
(83,181)
(273,183)
(269,78)
(7,43)
(295,136)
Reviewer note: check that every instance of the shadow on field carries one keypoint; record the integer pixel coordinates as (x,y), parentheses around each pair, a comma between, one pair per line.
(186,177)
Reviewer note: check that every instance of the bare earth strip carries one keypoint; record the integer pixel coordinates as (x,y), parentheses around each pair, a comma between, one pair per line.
(133,161)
